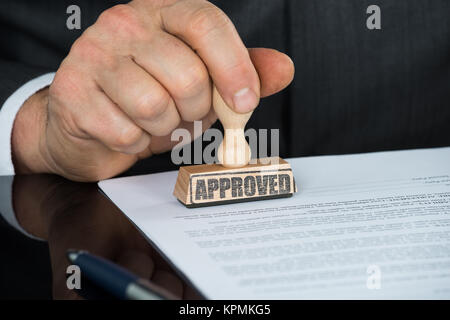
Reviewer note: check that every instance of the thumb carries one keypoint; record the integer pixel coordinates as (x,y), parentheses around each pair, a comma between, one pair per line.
(275,69)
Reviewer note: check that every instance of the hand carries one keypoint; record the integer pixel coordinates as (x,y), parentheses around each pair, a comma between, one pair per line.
(141,71)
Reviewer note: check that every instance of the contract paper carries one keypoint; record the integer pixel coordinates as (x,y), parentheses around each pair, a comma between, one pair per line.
(366,226)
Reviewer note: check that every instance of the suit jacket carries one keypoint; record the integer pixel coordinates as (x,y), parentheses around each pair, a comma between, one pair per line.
(355,90)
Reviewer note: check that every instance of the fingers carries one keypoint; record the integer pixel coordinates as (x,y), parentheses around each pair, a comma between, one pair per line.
(212,35)
(163,144)
(111,126)
(140,96)
(275,69)
(180,71)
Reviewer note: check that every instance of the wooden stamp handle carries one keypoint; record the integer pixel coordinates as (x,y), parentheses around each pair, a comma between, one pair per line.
(234,151)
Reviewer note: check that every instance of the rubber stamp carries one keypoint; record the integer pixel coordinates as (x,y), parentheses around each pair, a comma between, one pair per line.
(234,179)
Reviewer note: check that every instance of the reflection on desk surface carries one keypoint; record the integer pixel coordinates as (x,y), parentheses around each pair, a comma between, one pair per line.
(42,216)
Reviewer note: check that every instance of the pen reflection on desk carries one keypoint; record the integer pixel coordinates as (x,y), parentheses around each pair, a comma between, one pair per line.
(115,279)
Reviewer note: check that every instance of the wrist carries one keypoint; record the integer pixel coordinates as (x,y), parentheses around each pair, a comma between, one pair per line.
(28,135)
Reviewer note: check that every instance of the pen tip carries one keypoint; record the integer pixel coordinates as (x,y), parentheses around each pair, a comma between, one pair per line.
(72,255)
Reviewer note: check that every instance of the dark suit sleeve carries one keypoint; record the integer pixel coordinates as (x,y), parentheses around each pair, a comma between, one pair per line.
(33,40)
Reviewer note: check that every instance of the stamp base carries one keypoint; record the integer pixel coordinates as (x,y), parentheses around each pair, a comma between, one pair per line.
(211,185)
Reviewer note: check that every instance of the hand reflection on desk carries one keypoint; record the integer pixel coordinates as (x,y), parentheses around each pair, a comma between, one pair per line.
(72,215)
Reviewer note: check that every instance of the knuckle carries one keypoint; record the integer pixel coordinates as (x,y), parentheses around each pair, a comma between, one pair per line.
(176,124)
(151,106)
(121,19)
(65,84)
(127,137)
(191,82)
(88,50)
(168,126)
(208,18)
(84,47)
(87,127)
(118,14)
(197,113)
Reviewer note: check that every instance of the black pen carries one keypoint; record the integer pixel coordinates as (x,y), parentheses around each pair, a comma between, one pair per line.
(115,279)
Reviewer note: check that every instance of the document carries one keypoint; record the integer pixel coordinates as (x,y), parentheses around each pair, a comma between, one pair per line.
(366,226)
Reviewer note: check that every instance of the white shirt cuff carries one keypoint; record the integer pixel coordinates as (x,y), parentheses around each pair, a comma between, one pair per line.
(8,115)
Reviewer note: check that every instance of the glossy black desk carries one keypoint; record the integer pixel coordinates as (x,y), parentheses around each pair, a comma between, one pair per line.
(51,215)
